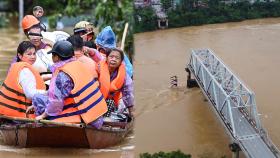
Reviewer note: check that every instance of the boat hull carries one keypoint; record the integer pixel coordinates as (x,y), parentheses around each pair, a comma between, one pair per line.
(41,135)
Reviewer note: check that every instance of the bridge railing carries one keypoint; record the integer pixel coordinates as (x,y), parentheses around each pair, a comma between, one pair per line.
(226,92)
(233,101)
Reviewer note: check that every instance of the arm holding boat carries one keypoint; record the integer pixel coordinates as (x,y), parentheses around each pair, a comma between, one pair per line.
(40,117)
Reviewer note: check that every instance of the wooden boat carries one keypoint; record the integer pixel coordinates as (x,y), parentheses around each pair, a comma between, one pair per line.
(30,133)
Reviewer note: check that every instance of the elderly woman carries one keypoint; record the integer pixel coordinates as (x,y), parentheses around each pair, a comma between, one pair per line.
(21,83)
(105,41)
(115,83)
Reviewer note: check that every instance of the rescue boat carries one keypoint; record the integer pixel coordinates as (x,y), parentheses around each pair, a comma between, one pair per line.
(30,133)
(25,133)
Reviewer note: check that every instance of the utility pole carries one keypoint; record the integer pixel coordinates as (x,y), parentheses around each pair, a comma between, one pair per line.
(20,8)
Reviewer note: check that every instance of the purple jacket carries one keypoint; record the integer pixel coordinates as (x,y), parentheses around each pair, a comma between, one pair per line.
(60,88)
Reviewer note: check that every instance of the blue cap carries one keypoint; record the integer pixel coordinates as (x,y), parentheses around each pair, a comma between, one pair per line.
(106,38)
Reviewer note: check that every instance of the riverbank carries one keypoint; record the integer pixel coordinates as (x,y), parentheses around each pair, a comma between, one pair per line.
(194,13)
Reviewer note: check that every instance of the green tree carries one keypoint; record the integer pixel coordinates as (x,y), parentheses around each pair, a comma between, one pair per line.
(166,4)
(145,19)
(161,154)
(116,13)
(65,7)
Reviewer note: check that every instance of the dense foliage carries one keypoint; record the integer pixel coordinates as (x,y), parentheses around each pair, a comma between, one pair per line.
(116,13)
(194,12)
(173,154)
(221,12)
(145,19)
(3,21)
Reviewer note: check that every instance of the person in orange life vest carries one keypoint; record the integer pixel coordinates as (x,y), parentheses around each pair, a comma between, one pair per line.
(22,83)
(115,83)
(78,45)
(73,92)
(105,41)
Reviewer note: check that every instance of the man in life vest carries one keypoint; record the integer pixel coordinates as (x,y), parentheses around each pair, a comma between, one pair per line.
(78,45)
(21,83)
(86,31)
(73,95)
(115,83)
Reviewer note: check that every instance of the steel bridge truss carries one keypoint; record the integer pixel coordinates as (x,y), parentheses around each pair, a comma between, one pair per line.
(233,102)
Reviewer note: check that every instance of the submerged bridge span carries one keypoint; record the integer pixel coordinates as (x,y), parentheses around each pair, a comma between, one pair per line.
(233,102)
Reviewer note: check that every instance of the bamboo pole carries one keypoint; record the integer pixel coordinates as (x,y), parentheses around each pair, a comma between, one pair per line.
(124,36)
(43,121)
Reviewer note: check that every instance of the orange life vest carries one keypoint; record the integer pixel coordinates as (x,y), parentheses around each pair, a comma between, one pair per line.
(13,101)
(90,64)
(111,89)
(85,99)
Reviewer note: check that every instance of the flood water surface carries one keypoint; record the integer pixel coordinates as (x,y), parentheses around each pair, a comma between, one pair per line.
(180,118)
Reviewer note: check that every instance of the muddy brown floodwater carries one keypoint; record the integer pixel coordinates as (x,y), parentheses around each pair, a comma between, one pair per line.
(180,118)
